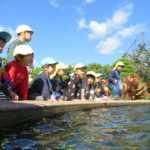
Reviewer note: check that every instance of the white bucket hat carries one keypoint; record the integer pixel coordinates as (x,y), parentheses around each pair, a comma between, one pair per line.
(91,73)
(79,65)
(23,50)
(22,28)
(118,64)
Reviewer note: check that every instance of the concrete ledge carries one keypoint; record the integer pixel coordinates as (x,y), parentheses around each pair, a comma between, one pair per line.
(17,112)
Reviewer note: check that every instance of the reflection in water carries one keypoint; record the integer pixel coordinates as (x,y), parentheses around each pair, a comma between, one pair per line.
(104,128)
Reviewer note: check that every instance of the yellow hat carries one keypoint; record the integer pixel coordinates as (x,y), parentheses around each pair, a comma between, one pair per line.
(59,66)
(118,64)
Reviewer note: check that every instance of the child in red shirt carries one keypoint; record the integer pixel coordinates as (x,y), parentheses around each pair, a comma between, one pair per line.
(18,72)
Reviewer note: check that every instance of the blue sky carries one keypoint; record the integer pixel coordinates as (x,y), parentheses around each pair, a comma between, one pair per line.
(73,31)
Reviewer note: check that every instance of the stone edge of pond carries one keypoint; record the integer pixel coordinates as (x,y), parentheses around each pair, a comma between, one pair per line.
(17,112)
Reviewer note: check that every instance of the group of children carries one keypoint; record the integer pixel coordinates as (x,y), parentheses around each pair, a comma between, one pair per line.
(14,75)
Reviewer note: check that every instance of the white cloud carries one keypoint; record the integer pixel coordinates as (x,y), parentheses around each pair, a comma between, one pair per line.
(53,3)
(119,18)
(89,1)
(130,31)
(122,15)
(1,28)
(112,31)
(98,29)
(79,10)
(82,24)
(11,31)
(109,45)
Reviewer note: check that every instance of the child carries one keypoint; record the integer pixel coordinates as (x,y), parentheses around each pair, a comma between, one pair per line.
(57,82)
(41,88)
(5,84)
(115,80)
(88,86)
(100,85)
(24,33)
(18,72)
(74,85)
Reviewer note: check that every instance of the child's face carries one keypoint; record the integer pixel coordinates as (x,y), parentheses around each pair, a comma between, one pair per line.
(27,60)
(28,36)
(51,69)
(2,44)
(119,68)
(60,73)
(89,80)
(80,72)
(97,90)
(98,79)
(29,70)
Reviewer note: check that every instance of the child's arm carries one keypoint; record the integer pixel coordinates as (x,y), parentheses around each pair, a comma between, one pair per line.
(23,87)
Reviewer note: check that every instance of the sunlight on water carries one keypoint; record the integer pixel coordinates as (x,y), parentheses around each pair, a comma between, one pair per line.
(103,128)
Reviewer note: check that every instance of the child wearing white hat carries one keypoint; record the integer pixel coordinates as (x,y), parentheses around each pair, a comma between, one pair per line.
(24,33)
(87,89)
(58,84)
(18,72)
(74,85)
(115,80)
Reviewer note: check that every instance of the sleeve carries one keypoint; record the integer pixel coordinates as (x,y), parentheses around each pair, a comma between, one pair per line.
(10,52)
(23,88)
(111,76)
(12,74)
(46,90)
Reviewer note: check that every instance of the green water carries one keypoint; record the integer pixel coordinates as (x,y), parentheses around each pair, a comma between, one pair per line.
(114,128)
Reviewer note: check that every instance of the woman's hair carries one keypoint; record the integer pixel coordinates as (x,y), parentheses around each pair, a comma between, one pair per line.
(91,76)
(2,39)
(19,56)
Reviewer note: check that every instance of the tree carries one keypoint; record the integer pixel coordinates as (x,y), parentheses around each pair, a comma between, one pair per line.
(141,60)
(94,67)
(3,60)
(106,70)
(35,72)
(68,72)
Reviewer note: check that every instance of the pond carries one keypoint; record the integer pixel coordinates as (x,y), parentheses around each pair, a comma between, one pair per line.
(112,128)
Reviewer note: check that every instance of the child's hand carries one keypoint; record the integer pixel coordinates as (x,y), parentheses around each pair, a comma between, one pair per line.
(116,81)
(14,95)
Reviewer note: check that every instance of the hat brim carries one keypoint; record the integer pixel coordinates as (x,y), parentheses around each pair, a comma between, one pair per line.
(6,36)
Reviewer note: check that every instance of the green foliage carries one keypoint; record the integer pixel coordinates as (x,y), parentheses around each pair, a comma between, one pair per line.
(140,58)
(3,60)
(128,68)
(35,72)
(94,67)
(68,71)
(99,69)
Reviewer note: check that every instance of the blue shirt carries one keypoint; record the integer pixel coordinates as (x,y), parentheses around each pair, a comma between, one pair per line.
(42,86)
(11,48)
